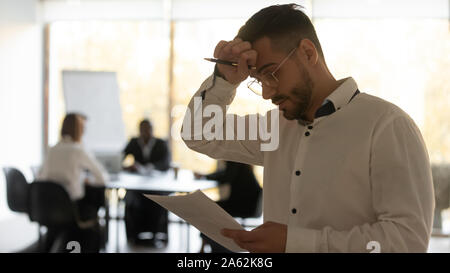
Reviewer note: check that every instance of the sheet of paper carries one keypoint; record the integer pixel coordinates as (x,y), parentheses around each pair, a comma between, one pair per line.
(203,213)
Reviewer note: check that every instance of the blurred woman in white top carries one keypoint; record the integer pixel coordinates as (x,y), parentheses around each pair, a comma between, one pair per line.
(67,161)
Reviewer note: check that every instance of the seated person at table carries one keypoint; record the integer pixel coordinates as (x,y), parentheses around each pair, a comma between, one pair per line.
(148,151)
(66,162)
(142,214)
(244,195)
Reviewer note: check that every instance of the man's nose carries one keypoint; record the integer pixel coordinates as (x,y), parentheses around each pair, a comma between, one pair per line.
(268,92)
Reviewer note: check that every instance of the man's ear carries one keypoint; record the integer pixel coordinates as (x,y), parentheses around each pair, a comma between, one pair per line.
(308,52)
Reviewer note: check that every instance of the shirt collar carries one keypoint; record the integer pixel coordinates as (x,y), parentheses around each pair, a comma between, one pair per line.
(66,139)
(340,97)
(149,143)
(344,93)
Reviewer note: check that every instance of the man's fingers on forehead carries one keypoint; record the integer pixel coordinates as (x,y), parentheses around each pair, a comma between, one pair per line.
(251,56)
(219,47)
(230,44)
(237,48)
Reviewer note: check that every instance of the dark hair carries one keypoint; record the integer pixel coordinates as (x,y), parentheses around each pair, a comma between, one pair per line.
(285,25)
(69,126)
(145,121)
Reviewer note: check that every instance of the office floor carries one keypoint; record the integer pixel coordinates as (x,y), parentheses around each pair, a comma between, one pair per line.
(21,233)
(178,234)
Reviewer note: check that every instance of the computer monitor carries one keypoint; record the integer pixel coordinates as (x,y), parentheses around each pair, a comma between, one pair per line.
(111,161)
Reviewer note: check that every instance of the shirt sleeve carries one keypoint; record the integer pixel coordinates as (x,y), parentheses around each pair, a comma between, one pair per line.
(89,162)
(402,198)
(227,142)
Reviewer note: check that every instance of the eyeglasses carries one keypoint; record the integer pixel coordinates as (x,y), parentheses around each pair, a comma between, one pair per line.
(267,79)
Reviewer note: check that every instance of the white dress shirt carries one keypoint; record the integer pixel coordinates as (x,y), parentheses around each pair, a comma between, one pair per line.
(146,148)
(358,175)
(65,163)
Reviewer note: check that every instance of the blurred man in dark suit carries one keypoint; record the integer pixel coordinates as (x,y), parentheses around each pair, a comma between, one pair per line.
(142,214)
(148,151)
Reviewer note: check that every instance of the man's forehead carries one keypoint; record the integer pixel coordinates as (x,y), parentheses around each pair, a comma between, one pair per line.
(266,55)
(80,119)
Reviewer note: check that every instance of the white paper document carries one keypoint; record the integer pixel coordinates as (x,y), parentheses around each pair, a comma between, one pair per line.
(203,213)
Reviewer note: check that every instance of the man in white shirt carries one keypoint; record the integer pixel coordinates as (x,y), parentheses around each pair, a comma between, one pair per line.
(350,172)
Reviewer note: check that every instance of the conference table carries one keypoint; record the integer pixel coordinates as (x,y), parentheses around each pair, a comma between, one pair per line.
(156,182)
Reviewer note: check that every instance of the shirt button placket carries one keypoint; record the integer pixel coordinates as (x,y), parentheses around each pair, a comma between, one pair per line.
(298,172)
(308,133)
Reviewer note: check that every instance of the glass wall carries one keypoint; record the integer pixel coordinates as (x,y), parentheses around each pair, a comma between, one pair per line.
(136,50)
(403,59)
(195,40)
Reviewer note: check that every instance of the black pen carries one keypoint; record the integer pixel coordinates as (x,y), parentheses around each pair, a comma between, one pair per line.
(227,62)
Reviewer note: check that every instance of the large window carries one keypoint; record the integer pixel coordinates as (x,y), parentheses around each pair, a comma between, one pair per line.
(195,40)
(159,63)
(405,61)
(136,50)
(139,53)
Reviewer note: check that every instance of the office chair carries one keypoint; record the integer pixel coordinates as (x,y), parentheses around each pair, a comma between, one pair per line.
(51,206)
(17,189)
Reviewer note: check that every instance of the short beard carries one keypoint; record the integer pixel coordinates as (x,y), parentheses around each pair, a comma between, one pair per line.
(302,94)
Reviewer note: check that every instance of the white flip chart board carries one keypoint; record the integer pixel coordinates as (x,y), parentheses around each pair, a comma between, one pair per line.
(96,95)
